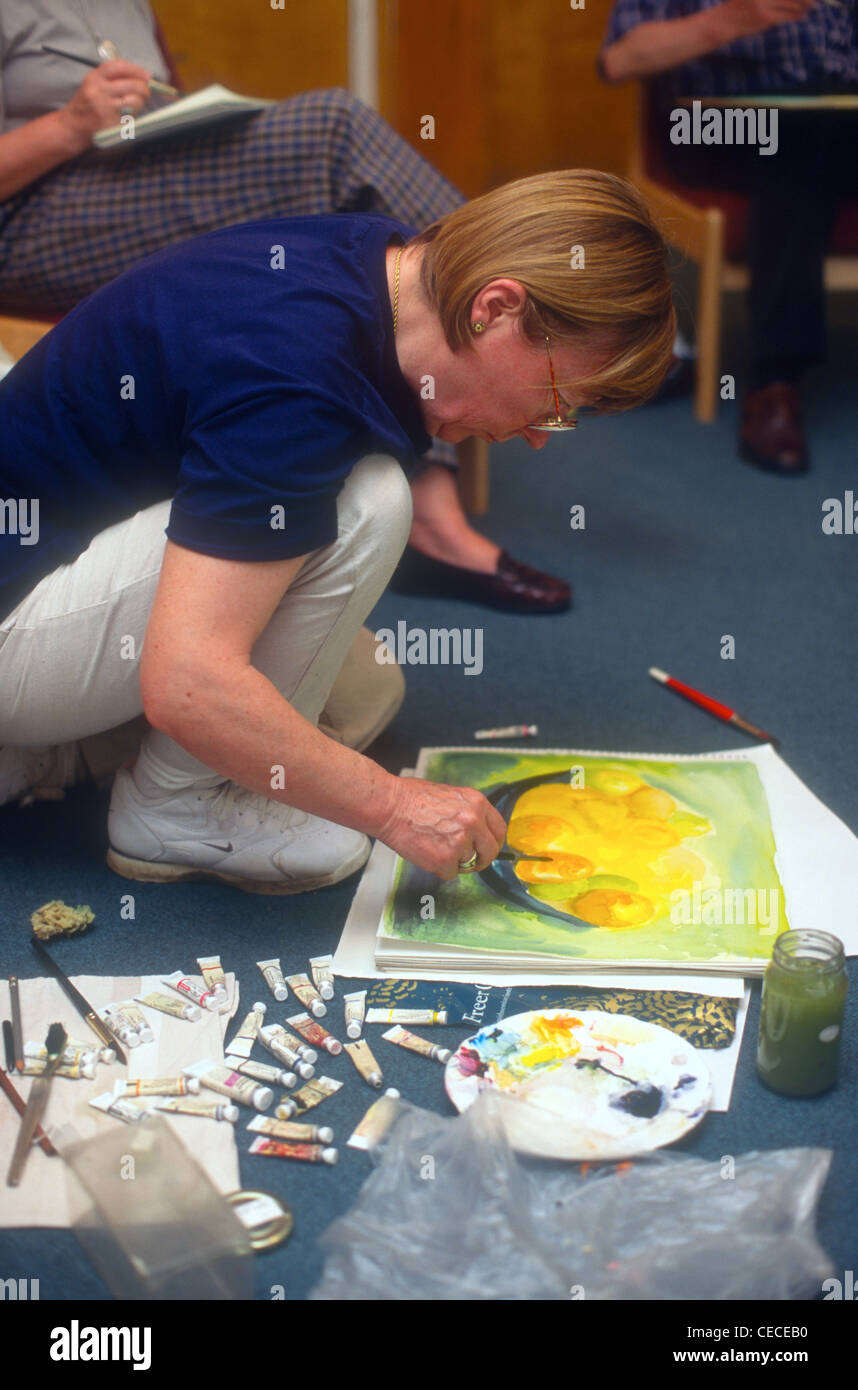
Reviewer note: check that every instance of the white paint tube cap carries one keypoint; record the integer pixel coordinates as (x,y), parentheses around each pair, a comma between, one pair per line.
(318,1010)
(228,1112)
(286,1109)
(262,1097)
(325,1134)
(305,1070)
(280,992)
(326,989)
(192,1085)
(353,1028)
(145,1034)
(328,1155)
(309,1054)
(289,1080)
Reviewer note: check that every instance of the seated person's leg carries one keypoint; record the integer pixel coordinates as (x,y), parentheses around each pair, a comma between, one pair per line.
(793,203)
(320,152)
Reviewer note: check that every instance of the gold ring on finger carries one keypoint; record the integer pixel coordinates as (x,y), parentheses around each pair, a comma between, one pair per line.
(468,864)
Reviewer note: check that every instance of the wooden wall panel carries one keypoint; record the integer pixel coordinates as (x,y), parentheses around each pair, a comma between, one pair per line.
(550,109)
(256,50)
(434,61)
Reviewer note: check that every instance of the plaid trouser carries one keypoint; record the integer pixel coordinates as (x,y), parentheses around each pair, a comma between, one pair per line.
(320,152)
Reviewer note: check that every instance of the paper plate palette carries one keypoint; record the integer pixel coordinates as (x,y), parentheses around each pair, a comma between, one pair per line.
(596,1085)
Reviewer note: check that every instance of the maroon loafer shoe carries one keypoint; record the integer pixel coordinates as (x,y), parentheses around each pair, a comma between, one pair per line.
(514,587)
(772,435)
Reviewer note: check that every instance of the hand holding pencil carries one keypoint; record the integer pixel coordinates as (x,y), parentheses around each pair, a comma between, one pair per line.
(111,90)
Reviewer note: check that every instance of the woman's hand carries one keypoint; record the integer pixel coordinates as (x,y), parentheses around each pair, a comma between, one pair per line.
(111,90)
(439,827)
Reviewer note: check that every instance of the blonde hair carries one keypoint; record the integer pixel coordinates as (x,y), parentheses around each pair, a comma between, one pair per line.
(534,230)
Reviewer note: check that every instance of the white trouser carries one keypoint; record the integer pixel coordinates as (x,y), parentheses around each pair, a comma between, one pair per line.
(70,652)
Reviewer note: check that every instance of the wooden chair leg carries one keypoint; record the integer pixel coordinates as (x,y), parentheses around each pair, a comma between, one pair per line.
(709,318)
(474,476)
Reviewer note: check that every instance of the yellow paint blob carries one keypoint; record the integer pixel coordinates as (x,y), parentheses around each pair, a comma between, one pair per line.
(616,825)
(565,868)
(610,907)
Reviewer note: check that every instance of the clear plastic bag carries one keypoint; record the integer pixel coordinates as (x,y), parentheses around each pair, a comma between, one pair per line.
(452,1213)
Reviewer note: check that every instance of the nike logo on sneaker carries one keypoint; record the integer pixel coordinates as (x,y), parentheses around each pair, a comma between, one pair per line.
(226,849)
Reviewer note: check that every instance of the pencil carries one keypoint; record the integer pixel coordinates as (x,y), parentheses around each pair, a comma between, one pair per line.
(713,706)
(156,86)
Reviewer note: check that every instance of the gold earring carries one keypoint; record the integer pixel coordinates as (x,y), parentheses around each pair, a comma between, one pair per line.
(478,326)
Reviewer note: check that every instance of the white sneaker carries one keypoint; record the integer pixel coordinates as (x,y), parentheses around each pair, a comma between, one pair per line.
(225,832)
(39,774)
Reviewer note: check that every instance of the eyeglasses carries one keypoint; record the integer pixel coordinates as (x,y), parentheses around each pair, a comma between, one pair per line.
(558,421)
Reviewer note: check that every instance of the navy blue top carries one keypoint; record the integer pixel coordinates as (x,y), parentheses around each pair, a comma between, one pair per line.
(243,391)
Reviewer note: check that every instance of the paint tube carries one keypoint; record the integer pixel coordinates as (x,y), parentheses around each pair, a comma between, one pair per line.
(272,1037)
(273,976)
(138,1020)
(376,1122)
(231,1083)
(261,1071)
(119,1023)
(307,1153)
(167,1004)
(297,1044)
(307,1097)
(242,1043)
(212,972)
(100,1053)
(354,1005)
(119,1108)
(422,1046)
(288,1129)
(161,1086)
(323,977)
(81,1068)
(205,1109)
(406,1016)
(315,1033)
(303,987)
(191,990)
(73,1052)
(365,1062)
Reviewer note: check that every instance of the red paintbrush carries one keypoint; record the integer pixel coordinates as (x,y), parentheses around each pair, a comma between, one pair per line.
(713,706)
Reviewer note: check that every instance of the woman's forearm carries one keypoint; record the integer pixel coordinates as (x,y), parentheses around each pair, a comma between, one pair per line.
(660,45)
(237,723)
(35,149)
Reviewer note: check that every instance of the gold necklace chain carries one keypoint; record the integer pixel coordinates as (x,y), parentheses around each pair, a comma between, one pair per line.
(396,289)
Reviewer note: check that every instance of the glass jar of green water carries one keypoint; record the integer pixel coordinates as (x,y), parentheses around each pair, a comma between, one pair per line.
(804,994)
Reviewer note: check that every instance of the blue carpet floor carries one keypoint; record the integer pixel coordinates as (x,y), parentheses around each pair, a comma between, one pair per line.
(683,545)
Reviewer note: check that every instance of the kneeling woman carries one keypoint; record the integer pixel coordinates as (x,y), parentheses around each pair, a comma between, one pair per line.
(216,447)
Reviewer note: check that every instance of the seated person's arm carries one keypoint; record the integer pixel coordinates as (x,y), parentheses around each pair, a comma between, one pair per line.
(200,688)
(38,146)
(658,45)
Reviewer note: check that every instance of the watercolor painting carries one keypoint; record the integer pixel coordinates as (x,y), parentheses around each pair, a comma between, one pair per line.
(610,859)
